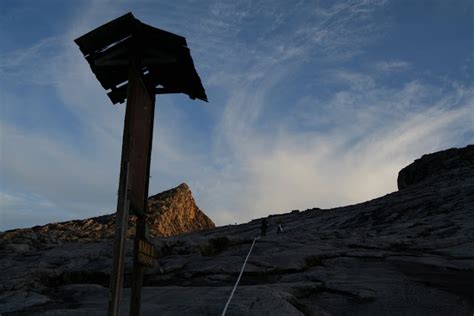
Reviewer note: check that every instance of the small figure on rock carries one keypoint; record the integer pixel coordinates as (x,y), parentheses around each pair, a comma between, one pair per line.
(279,226)
(264,227)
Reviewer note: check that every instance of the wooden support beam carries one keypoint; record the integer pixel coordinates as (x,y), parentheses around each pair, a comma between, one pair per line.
(144,109)
(120,94)
(121,218)
(133,186)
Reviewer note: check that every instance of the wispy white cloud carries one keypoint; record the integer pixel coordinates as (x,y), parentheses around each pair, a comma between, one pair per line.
(27,64)
(392,66)
(342,143)
(16,209)
(303,170)
(70,179)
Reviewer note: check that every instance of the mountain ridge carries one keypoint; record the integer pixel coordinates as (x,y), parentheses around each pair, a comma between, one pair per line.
(409,252)
(169,213)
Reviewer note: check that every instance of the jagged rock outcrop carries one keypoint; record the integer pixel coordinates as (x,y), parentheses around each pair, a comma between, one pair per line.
(410,252)
(174,211)
(169,213)
(447,163)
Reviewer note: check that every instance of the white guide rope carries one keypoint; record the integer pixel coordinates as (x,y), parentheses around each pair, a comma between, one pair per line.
(238,279)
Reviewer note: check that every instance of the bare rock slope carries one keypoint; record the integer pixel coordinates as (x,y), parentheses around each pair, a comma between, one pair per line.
(169,213)
(410,252)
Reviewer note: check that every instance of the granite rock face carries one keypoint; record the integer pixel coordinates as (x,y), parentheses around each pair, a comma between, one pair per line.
(410,252)
(174,212)
(169,213)
(441,164)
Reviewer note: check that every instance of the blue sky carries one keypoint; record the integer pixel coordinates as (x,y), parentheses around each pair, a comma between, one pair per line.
(312,104)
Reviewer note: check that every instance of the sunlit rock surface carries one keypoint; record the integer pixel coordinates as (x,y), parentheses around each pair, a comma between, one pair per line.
(169,213)
(410,252)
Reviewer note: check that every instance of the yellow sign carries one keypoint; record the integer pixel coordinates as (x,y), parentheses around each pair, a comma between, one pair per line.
(146,253)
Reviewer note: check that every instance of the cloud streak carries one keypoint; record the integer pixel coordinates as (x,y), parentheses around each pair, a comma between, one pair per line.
(298,118)
(358,160)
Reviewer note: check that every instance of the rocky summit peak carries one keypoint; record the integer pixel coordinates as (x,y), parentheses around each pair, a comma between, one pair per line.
(182,189)
(169,213)
(174,211)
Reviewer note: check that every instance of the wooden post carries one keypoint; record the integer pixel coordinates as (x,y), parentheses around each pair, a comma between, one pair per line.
(155,55)
(121,219)
(141,231)
(140,175)
(121,222)
(133,185)
(138,270)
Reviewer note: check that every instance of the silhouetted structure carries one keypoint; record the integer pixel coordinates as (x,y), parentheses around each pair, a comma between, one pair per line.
(166,65)
(135,61)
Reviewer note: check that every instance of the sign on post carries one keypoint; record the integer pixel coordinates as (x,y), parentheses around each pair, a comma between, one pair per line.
(146,253)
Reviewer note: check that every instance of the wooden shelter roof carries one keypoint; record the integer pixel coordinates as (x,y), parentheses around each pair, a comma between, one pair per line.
(165,60)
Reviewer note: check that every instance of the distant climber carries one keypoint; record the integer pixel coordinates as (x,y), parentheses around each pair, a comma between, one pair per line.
(264,227)
(279,226)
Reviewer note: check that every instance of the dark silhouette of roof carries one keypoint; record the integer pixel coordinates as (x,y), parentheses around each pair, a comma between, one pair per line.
(165,60)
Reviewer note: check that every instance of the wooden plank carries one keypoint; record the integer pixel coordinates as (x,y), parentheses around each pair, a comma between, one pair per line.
(120,94)
(161,36)
(144,107)
(133,186)
(165,54)
(138,268)
(107,34)
(121,220)
(126,25)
